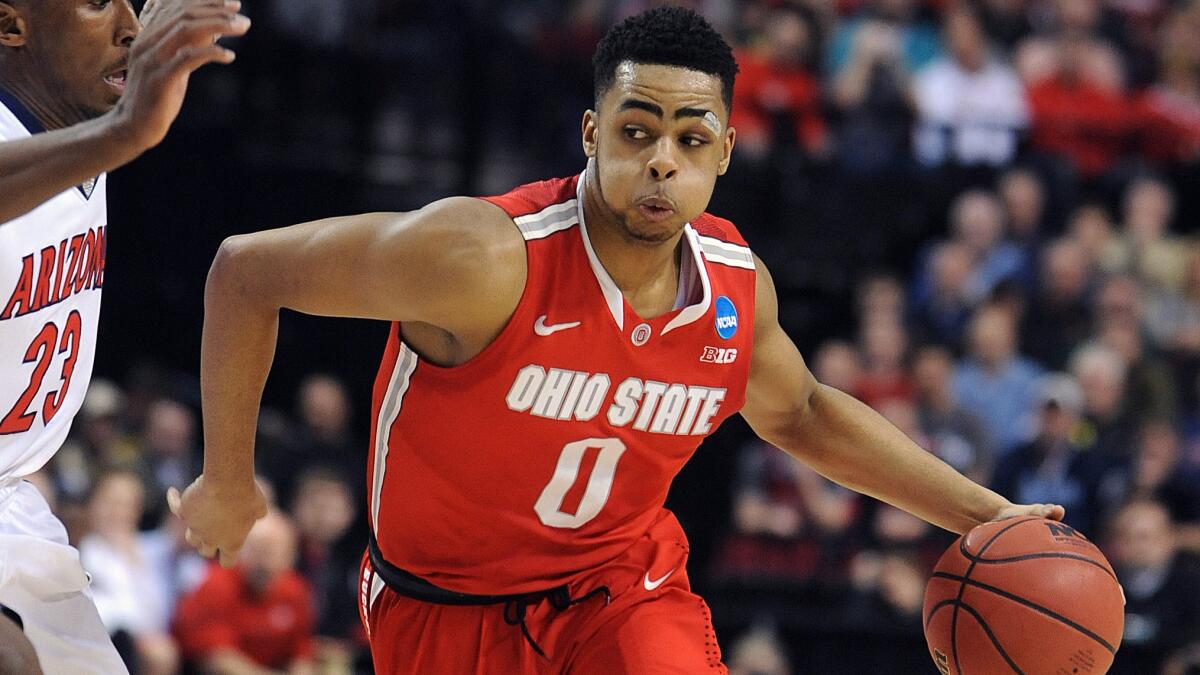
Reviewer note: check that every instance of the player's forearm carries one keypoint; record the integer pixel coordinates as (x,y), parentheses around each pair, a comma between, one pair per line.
(236,351)
(35,169)
(853,445)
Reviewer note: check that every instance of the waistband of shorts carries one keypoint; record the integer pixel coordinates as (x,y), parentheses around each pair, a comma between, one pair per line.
(410,585)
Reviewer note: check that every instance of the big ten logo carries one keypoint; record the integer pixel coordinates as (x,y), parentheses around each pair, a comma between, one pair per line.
(942,662)
(718,355)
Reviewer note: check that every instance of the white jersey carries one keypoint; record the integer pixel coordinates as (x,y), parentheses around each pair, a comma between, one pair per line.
(51,273)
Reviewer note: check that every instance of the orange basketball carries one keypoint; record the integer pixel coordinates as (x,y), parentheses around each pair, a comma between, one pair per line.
(1023,595)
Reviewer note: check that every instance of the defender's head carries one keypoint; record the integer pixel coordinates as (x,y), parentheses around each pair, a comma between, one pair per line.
(660,131)
(75,51)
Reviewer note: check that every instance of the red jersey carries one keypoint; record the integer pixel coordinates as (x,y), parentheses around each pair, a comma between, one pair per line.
(551,452)
(274,628)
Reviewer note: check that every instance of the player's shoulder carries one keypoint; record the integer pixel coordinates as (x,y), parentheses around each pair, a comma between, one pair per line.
(532,198)
(721,242)
(16,121)
(714,227)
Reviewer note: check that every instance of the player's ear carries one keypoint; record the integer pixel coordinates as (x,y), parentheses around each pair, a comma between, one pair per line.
(727,150)
(590,127)
(12,26)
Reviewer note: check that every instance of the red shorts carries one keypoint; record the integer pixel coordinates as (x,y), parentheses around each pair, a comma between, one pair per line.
(652,624)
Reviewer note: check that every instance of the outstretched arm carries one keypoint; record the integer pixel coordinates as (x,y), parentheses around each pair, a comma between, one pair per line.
(457,264)
(850,443)
(179,38)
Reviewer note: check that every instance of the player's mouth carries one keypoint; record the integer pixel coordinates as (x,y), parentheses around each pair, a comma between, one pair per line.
(656,209)
(116,80)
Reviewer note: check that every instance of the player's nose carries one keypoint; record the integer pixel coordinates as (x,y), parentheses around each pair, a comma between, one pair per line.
(663,163)
(128,26)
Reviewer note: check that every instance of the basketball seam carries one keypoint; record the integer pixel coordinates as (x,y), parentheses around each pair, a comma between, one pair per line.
(1028,603)
(992,636)
(1031,556)
(962,588)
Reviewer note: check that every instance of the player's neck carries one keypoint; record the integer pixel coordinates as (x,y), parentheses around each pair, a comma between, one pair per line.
(637,267)
(38,98)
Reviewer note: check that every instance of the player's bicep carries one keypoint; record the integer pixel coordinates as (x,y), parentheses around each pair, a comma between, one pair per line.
(420,266)
(780,383)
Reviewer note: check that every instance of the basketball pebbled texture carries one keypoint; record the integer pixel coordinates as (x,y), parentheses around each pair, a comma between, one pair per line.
(1023,595)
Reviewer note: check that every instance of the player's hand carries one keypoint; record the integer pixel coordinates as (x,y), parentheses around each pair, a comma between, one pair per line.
(178,37)
(217,519)
(1051,511)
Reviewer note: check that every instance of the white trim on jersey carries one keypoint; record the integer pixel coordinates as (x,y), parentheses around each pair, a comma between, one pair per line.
(549,220)
(726,253)
(393,399)
(693,312)
(612,294)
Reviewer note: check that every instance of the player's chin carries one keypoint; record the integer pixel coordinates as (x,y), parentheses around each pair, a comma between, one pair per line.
(654,233)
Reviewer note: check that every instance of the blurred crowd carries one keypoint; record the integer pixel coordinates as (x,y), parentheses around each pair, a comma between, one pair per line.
(288,606)
(982,219)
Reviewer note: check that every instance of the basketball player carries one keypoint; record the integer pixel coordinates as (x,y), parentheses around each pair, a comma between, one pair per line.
(78,96)
(556,356)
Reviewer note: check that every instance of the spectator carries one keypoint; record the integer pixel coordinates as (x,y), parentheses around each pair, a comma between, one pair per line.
(758,652)
(1024,198)
(1054,466)
(778,98)
(880,296)
(978,222)
(1061,316)
(322,439)
(1173,318)
(1101,373)
(126,566)
(1162,588)
(871,61)
(257,615)
(953,434)
(970,105)
(995,382)
(884,349)
(790,523)
(1149,385)
(1157,258)
(1080,109)
(941,301)
(1158,472)
(168,455)
(1172,104)
(324,510)
(838,365)
(1091,227)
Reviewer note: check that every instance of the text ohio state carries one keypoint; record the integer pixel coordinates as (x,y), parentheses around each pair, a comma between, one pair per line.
(647,405)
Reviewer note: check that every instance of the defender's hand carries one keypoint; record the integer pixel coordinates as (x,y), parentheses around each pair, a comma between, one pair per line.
(217,520)
(1051,511)
(179,36)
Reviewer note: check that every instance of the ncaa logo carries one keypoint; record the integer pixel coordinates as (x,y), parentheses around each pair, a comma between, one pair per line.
(727,319)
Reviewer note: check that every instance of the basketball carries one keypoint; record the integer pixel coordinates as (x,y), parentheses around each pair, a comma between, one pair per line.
(1025,595)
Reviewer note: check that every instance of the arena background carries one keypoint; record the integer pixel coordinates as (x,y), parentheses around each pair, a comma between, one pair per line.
(955,206)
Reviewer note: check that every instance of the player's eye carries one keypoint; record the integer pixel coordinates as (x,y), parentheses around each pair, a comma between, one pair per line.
(636,134)
(100,4)
(694,141)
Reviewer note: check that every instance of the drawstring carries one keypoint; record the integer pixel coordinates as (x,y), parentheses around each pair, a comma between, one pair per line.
(560,599)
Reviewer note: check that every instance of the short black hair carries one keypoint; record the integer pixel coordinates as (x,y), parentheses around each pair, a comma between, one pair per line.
(669,36)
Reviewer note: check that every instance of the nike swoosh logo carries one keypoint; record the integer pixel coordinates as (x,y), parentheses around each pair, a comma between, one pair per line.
(543,330)
(651,585)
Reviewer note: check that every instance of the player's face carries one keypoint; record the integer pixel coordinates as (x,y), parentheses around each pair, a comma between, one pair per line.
(660,139)
(81,48)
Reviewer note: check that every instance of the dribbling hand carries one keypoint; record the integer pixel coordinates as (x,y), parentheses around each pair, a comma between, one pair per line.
(179,36)
(217,519)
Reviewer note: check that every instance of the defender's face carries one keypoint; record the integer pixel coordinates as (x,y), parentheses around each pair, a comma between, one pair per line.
(660,138)
(82,48)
